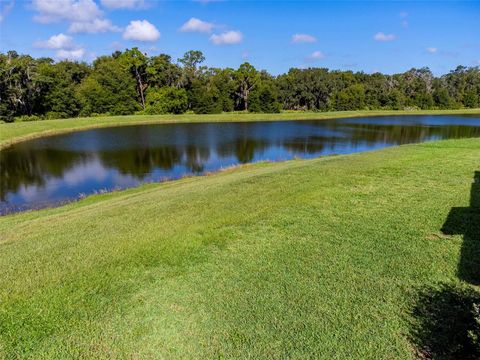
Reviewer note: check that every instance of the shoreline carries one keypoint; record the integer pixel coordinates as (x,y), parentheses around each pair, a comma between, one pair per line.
(13,133)
(223,170)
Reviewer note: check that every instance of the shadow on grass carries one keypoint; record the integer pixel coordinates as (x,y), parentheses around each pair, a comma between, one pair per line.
(447,319)
(447,323)
(466,221)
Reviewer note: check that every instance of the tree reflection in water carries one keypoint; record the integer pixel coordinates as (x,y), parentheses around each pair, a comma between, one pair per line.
(128,156)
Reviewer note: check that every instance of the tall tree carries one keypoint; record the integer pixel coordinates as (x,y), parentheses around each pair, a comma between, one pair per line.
(246,78)
(22,83)
(136,63)
(190,61)
(161,72)
(61,80)
(108,89)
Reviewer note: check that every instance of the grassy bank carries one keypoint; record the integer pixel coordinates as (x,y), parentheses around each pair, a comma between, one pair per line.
(323,258)
(10,133)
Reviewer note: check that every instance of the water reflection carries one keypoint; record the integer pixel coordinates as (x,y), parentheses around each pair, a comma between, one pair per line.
(55,169)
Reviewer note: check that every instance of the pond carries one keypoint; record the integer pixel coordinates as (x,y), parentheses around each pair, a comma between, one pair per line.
(56,169)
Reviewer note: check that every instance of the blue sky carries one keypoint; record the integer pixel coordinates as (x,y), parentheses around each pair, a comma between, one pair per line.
(390,36)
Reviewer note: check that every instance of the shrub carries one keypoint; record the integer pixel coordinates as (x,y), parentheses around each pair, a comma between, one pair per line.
(352,98)
(166,100)
(28,118)
(264,100)
(471,99)
(56,115)
(205,99)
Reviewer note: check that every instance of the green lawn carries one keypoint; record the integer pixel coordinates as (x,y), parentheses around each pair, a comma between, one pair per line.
(10,133)
(328,258)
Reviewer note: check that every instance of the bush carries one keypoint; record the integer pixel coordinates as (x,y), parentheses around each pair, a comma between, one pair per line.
(352,98)
(109,89)
(166,100)
(264,100)
(205,100)
(206,104)
(442,99)
(28,118)
(424,101)
(471,99)
(56,115)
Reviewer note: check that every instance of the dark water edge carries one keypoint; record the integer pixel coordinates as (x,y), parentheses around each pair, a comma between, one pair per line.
(58,169)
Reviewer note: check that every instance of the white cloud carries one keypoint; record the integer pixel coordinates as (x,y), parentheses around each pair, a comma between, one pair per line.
(316,55)
(432,50)
(122,4)
(64,45)
(197,25)
(49,11)
(141,30)
(303,38)
(74,54)
(84,15)
(380,36)
(5,8)
(60,41)
(95,26)
(227,38)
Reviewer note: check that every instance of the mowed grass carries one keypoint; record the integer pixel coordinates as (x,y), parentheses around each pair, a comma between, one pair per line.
(14,132)
(321,258)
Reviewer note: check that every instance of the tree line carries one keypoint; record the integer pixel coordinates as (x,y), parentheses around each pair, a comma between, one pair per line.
(131,82)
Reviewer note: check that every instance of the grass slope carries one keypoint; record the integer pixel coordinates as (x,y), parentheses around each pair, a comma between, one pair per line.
(319,258)
(10,133)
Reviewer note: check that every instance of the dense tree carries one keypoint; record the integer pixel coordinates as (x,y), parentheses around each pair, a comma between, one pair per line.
(352,98)
(21,84)
(307,89)
(59,100)
(166,100)
(395,100)
(463,84)
(190,61)
(377,90)
(224,81)
(161,72)
(136,63)
(265,98)
(130,81)
(471,98)
(246,77)
(441,97)
(108,89)
(204,98)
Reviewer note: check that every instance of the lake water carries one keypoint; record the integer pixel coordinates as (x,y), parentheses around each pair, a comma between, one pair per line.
(57,169)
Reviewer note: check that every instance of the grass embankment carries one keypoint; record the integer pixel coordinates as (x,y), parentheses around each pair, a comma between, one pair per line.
(11,133)
(323,258)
